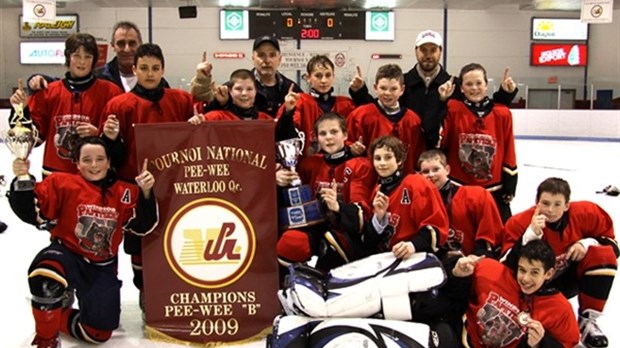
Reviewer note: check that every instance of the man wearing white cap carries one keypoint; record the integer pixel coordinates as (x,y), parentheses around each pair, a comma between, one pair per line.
(422,82)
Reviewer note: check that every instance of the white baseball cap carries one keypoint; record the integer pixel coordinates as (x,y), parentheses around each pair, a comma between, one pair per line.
(428,36)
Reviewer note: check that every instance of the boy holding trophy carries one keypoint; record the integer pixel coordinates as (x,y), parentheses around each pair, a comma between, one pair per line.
(341,184)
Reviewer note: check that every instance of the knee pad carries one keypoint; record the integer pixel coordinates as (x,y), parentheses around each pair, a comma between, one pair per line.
(46,291)
(294,246)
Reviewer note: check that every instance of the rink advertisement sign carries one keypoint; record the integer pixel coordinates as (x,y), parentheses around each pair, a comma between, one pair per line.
(46,52)
(559,29)
(210,269)
(63,26)
(559,54)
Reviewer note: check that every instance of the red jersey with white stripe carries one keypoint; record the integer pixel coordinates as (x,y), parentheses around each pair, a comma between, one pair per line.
(56,111)
(413,206)
(131,109)
(307,112)
(355,178)
(585,219)
(369,122)
(87,225)
(497,301)
(479,149)
(474,216)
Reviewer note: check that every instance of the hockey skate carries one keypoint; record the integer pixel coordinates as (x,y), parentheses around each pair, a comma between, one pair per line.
(41,342)
(591,334)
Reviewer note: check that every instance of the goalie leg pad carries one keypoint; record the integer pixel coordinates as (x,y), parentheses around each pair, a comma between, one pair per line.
(357,332)
(291,331)
(359,289)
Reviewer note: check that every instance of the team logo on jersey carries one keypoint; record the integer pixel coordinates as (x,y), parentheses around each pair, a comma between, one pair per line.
(66,137)
(95,227)
(498,322)
(209,243)
(476,154)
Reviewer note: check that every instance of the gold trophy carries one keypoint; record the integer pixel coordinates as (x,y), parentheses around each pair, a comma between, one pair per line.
(20,140)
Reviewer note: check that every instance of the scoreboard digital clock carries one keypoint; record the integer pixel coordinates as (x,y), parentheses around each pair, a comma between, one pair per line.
(308,25)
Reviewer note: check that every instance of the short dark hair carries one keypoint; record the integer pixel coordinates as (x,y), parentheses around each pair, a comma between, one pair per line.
(73,43)
(391,143)
(328,116)
(149,50)
(127,26)
(93,140)
(241,74)
(390,71)
(471,67)
(554,186)
(319,60)
(539,250)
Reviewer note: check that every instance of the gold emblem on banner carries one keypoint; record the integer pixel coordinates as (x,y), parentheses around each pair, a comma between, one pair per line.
(209,243)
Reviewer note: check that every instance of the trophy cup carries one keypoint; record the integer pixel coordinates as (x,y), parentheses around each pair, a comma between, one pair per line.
(301,208)
(20,140)
(289,151)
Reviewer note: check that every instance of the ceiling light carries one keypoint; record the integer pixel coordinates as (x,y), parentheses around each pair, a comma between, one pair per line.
(562,5)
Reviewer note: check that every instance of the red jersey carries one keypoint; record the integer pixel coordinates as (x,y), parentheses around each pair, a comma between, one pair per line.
(87,225)
(354,177)
(307,112)
(370,122)
(479,149)
(585,219)
(413,206)
(131,109)
(473,216)
(227,115)
(57,110)
(495,305)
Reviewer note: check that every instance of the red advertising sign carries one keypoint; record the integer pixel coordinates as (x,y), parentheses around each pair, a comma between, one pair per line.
(210,269)
(228,55)
(559,54)
(103,54)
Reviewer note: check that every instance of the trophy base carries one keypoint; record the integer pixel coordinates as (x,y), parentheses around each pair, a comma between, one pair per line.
(23,184)
(301,208)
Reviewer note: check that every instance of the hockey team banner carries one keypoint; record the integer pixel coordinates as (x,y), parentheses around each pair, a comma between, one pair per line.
(210,269)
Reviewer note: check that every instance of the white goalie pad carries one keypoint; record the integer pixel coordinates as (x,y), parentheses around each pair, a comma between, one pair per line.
(298,332)
(377,284)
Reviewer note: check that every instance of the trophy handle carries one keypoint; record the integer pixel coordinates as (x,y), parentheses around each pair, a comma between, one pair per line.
(301,135)
(299,142)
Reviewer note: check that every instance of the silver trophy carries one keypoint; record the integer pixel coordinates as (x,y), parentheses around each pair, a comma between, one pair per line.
(289,151)
(20,140)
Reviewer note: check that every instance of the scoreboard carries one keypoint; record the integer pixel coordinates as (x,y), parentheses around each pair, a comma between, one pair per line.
(293,24)
(308,25)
